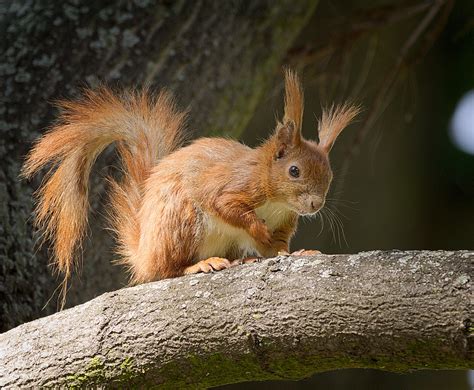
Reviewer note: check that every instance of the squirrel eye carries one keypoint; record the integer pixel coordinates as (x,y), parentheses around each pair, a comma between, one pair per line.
(294,171)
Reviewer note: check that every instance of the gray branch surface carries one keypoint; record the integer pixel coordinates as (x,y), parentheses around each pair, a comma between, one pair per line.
(282,318)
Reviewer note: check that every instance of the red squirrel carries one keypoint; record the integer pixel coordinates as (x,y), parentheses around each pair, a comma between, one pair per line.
(181,209)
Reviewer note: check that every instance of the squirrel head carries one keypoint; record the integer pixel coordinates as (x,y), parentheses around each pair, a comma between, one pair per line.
(299,170)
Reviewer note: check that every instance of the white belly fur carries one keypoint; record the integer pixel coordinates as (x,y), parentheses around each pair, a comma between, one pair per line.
(219,236)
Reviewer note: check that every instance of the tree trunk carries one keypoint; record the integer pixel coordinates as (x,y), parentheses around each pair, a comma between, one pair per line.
(217,56)
(284,318)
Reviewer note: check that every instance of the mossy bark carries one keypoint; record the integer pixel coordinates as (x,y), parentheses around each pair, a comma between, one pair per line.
(283,318)
(217,57)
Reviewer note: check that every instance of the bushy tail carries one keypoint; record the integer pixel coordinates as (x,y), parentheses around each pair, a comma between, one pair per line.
(146,127)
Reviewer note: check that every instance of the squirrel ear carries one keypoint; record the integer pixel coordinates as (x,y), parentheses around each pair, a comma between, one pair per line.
(333,121)
(286,137)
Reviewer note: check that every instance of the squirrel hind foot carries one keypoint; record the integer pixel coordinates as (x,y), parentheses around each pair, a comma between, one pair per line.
(209,265)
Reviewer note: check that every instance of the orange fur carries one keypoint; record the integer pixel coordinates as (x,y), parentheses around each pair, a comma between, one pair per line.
(180,210)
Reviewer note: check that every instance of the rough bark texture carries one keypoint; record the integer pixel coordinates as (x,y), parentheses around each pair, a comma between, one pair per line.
(217,56)
(281,318)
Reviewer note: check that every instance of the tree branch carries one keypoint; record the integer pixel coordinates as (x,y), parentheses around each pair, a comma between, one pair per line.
(286,317)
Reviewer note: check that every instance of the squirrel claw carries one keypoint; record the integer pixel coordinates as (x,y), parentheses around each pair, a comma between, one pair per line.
(247,260)
(306,252)
(209,265)
(283,253)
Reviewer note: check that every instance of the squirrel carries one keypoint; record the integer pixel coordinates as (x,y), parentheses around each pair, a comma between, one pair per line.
(180,209)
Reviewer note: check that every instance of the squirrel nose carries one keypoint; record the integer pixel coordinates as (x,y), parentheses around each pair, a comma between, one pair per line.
(316,204)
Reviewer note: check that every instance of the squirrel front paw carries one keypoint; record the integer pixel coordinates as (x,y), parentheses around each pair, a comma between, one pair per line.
(260,233)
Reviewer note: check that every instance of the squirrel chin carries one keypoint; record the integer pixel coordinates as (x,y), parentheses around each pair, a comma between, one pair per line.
(304,213)
(312,214)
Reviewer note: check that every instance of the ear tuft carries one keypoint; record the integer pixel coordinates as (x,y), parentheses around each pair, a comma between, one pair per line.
(294,100)
(333,121)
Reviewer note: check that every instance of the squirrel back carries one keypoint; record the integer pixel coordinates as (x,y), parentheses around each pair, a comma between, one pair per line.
(146,127)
